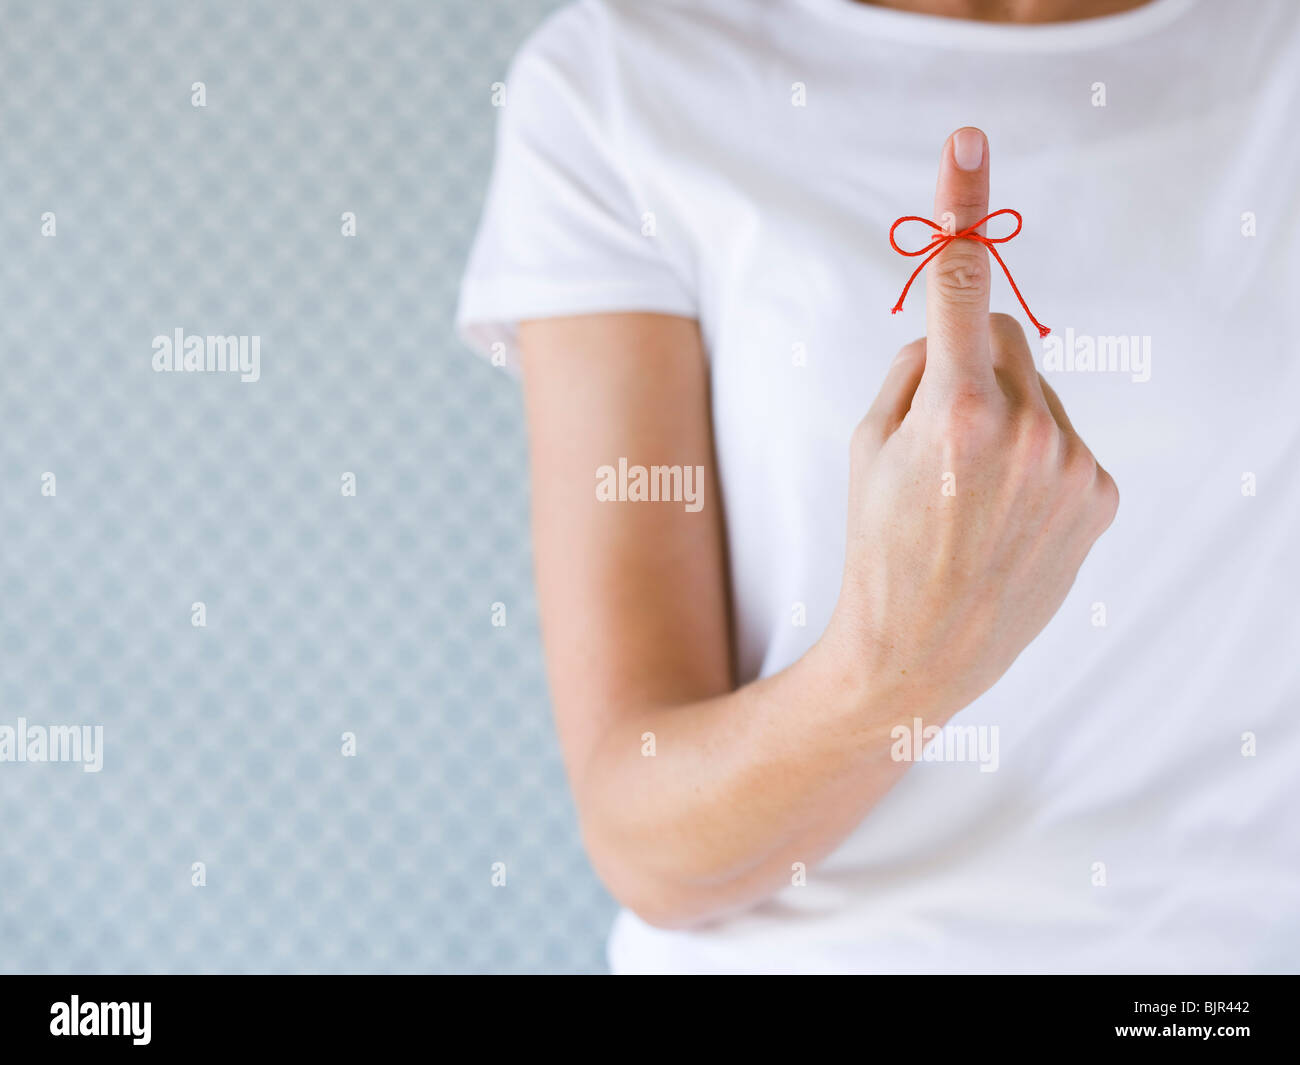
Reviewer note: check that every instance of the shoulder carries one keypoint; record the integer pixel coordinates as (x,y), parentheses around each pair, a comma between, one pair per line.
(625,64)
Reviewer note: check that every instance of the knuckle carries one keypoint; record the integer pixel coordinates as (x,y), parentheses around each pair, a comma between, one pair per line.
(1107,497)
(962,277)
(965,205)
(909,352)
(967,422)
(1049,393)
(1080,470)
(1037,435)
(866,435)
(1007,330)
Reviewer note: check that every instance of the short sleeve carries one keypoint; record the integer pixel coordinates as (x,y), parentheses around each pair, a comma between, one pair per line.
(561,230)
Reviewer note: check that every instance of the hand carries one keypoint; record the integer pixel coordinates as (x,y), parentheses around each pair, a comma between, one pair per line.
(972,500)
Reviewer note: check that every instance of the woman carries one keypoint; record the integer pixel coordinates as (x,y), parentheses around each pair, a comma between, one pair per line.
(867,708)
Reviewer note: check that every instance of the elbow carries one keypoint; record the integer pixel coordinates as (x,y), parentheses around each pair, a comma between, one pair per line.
(650,852)
(656,902)
(674,901)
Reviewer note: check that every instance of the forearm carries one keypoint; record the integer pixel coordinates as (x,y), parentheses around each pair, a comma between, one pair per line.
(739,787)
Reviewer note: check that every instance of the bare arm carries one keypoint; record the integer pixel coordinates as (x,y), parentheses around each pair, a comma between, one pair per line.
(634,605)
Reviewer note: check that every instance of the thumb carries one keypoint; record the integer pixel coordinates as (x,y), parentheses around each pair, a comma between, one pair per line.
(957,281)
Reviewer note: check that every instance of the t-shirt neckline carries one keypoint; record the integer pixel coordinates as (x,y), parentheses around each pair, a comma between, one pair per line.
(942,31)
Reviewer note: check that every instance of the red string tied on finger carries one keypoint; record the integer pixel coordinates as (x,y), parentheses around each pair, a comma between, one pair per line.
(942,239)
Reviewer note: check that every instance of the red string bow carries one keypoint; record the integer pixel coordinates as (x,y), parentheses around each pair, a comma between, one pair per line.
(941,240)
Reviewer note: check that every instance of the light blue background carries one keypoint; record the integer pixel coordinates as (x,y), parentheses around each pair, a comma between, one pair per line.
(325,614)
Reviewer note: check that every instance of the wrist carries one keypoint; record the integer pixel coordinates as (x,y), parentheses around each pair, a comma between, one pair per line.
(872,684)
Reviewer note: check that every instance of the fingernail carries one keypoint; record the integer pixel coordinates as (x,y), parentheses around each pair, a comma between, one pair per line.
(968,149)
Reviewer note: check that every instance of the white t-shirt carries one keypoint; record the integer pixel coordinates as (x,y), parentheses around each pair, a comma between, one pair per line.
(740,162)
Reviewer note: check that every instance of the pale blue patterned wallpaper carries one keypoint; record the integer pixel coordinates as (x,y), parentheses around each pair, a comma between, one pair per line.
(128,496)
